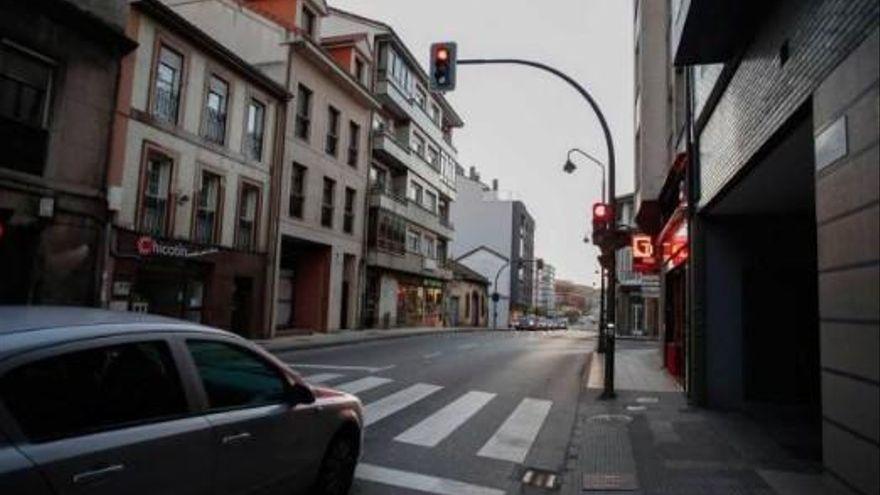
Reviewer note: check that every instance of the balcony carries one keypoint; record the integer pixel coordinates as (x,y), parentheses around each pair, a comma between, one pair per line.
(25,147)
(392,97)
(391,151)
(711,31)
(409,263)
(412,212)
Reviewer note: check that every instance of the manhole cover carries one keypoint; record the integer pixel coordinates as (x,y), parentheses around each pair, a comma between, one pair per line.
(610,482)
(620,419)
(540,478)
(647,400)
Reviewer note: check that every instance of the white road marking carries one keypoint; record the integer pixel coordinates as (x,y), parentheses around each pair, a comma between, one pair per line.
(368,369)
(420,482)
(514,438)
(322,377)
(442,423)
(363,384)
(465,347)
(386,406)
(432,355)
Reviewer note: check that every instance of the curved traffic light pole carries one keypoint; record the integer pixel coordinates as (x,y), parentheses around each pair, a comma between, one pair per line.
(608,391)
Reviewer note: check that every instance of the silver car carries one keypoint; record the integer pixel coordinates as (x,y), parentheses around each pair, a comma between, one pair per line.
(101,402)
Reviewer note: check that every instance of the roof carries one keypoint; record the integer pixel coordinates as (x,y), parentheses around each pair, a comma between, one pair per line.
(482,248)
(462,272)
(193,34)
(28,327)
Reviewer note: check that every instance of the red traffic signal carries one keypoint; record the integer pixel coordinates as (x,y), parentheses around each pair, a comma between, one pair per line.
(602,214)
(442,75)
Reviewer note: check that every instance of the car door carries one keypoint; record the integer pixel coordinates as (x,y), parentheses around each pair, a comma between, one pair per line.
(108,417)
(259,432)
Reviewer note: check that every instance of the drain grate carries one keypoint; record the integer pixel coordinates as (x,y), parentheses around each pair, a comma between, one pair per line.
(540,478)
(610,482)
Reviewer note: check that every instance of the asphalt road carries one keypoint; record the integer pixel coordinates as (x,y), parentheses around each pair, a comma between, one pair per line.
(458,413)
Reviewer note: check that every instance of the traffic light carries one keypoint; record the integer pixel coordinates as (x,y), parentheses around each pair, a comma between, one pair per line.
(602,217)
(442,74)
(540,264)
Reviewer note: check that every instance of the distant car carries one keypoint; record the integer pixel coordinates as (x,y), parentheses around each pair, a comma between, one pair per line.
(526,323)
(103,402)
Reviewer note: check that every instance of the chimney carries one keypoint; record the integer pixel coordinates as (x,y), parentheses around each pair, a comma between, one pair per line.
(473,173)
(494,184)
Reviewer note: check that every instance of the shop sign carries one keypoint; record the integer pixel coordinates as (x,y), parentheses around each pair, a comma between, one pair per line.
(675,247)
(644,260)
(147,246)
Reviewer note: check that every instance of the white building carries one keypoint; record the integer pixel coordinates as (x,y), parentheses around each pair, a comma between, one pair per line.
(412,182)
(326,157)
(546,289)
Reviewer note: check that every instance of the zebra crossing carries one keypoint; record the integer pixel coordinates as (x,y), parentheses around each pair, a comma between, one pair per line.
(511,442)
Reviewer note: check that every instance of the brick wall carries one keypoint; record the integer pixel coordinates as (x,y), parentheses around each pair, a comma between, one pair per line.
(762,94)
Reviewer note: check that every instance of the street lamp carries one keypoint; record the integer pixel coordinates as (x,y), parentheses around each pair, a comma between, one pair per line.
(569,168)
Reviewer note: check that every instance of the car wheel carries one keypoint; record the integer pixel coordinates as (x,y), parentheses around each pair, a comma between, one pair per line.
(337,467)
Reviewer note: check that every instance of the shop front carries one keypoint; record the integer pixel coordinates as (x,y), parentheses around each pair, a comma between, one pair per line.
(212,285)
(673,245)
(419,302)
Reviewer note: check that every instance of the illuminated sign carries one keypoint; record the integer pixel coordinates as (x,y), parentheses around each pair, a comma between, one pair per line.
(644,260)
(147,246)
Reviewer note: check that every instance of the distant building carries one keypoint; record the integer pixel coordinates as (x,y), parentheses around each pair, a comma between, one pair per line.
(638,295)
(546,289)
(571,296)
(468,297)
(485,219)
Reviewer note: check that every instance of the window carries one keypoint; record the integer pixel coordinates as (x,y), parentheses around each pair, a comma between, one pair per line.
(354,138)
(248,206)
(435,113)
(166,94)
(297,191)
(254,129)
(207,224)
(421,97)
(332,143)
(430,247)
(234,377)
(309,21)
(303,123)
(431,201)
(155,204)
(216,100)
(327,200)
(379,179)
(348,220)
(441,250)
(387,232)
(417,193)
(359,70)
(24,87)
(413,242)
(93,390)
(433,157)
(418,145)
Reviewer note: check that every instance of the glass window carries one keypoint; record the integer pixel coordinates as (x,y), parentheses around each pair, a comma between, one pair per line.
(417,193)
(303,122)
(433,157)
(207,209)
(430,201)
(297,191)
(354,137)
(359,70)
(435,113)
(156,190)
(430,247)
(215,110)
(234,377)
(309,21)
(421,97)
(248,205)
(166,94)
(418,145)
(348,220)
(414,241)
(256,117)
(95,389)
(331,145)
(24,87)
(327,200)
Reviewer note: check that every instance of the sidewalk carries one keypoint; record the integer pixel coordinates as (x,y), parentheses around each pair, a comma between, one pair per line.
(649,441)
(345,337)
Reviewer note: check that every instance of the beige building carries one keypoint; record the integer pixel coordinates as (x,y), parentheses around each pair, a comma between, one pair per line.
(194,163)
(326,150)
(468,296)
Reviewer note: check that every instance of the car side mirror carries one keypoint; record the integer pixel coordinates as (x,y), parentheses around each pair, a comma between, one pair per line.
(299,394)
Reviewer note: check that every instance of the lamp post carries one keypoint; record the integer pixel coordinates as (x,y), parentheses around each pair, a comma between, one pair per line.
(569,168)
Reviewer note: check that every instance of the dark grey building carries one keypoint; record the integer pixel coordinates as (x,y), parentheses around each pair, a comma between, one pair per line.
(784,309)
(522,255)
(59,64)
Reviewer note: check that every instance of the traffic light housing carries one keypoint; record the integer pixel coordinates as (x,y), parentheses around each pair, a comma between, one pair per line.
(602,216)
(443,57)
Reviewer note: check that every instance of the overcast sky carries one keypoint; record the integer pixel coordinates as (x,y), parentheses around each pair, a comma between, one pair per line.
(519,122)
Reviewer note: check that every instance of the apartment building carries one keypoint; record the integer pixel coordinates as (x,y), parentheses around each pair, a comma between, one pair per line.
(495,236)
(193,177)
(782,220)
(545,292)
(638,293)
(59,64)
(321,219)
(412,182)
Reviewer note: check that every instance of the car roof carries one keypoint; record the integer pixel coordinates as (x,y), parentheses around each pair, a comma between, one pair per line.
(28,327)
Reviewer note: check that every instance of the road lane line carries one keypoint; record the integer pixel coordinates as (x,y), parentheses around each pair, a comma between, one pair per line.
(368,369)
(420,482)
(432,355)
(465,347)
(322,377)
(516,435)
(363,384)
(386,406)
(442,423)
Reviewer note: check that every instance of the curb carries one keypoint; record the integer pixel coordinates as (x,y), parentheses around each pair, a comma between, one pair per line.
(372,338)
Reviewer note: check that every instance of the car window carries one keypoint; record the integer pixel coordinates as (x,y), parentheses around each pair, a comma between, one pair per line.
(93,389)
(235,377)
